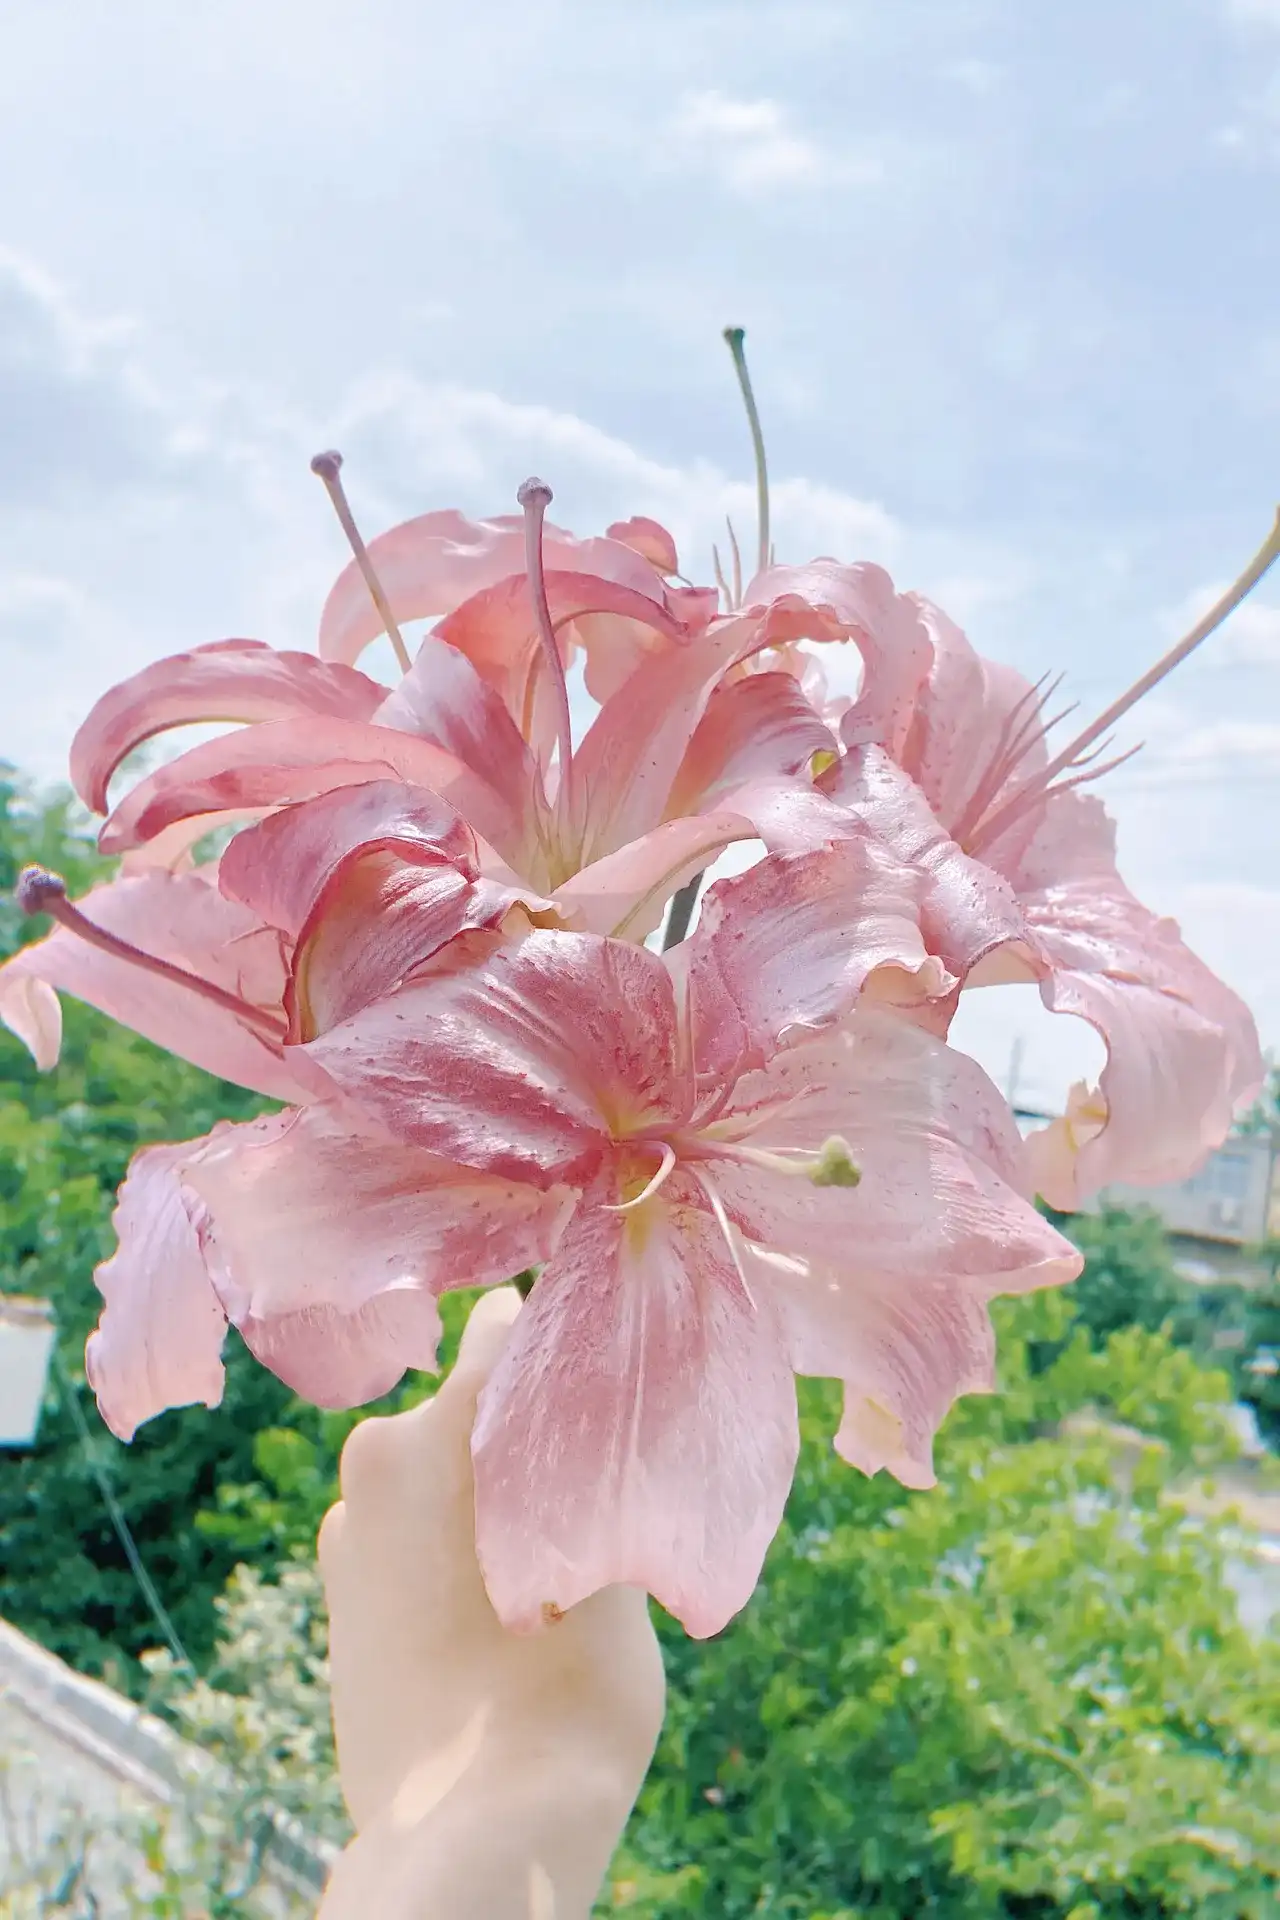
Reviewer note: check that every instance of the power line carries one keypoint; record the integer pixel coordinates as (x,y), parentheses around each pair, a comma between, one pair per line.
(123,1532)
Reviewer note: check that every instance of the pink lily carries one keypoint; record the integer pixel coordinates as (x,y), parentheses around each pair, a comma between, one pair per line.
(728,1176)
(317,905)
(224,965)
(676,766)
(947,755)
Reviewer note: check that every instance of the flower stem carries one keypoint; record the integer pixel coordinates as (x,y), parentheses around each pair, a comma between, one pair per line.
(680,912)
(734,338)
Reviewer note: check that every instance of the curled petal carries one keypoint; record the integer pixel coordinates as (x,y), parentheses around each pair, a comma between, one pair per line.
(858,603)
(278,868)
(430,565)
(967,909)
(497,630)
(378,920)
(328,1247)
(761,728)
(625,894)
(646,537)
(444,699)
(158,1343)
(639,1428)
(231,680)
(182,919)
(615,646)
(792,943)
(287,760)
(174,848)
(32,1011)
(1182,1049)
(1054,1151)
(370,882)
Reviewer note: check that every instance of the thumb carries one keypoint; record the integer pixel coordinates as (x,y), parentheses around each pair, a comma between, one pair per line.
(421,1458)
(483,1338)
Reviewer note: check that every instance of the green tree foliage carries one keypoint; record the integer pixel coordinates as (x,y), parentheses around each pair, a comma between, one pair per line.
(1264,1115)
(1129,1277)
(1022,1696)
(65,1141)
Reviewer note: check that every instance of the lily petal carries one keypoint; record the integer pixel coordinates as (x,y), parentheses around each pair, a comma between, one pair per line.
(1182,1049)
(158,1343)
(328,1246)
(182,919)
(758,728)
(278,868)
(231,680)
(517,1058)
(444,699)
(432,564)
(885,1285)
(624,771)
(281,761)
(625,894)
(858,603)
(647,537)
(639,1428)
(976,725)
(793,942)
(967,909)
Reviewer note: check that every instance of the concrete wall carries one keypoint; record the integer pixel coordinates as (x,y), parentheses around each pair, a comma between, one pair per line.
(85,1775)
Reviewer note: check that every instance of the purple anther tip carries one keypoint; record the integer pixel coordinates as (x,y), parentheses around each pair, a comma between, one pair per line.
(37,889)
(534,493)
(327,465)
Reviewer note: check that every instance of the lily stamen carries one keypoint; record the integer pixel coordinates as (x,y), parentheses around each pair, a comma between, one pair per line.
(535,497)
(1071,758)
(832,1165)
(39,891)
(659,1179)
(736,551)
(734,1239)
(734,338)
(327,467)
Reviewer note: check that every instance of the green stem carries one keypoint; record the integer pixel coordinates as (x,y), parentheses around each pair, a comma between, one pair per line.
(680,913)
(734,338)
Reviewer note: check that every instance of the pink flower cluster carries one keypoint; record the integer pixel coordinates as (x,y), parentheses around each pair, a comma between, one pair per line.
(749,1156)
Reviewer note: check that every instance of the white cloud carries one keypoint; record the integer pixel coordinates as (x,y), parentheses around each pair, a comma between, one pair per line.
(1249,637)
(1222,743)
(1261,12)
(751,146)
(151,521)
(416,440)
(77,410)
(1235,927)
(975,75)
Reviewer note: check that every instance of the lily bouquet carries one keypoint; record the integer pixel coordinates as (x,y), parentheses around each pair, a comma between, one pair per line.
(430,934)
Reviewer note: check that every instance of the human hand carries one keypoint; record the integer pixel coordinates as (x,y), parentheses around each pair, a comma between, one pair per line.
(488,1774)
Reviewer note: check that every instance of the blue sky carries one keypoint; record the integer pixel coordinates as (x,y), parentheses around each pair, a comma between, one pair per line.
(1011,283)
